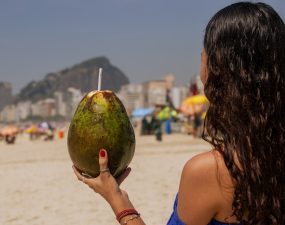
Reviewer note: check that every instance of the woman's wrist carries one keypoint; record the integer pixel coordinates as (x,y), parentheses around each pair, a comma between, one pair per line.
(124,209)
(120,201)
(127,219)
(125,213)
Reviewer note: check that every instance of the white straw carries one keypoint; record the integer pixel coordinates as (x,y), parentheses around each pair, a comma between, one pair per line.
(100,79)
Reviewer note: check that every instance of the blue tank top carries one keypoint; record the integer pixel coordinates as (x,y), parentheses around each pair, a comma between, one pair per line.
(174,219)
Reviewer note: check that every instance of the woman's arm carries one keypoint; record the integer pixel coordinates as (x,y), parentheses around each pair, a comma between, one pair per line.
(106,185)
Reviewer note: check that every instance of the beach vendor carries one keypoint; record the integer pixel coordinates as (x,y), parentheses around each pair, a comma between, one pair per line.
(242,179)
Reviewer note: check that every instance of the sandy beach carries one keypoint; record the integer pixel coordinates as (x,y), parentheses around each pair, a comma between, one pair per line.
(38,186)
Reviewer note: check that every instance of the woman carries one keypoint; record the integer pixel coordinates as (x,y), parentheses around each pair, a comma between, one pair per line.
(242,180)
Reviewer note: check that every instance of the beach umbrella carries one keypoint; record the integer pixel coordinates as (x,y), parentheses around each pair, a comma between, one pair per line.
(32,129)
(141,112)
(196,104)
(192,109)
(196,99)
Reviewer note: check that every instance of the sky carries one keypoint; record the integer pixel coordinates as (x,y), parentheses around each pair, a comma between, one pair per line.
(146,39)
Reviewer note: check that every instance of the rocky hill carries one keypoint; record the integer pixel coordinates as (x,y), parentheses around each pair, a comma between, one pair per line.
(83,76)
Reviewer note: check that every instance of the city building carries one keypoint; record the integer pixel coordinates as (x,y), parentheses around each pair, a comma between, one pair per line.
(60,105)
(154,93)
(23,110)
(178,95)
(151,94)
(5,94)
(8,114)
(131,96)
(72,99)
(44,108)
(157,92)
(169,80)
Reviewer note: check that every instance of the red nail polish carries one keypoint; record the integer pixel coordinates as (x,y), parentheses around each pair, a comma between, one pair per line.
(102,153)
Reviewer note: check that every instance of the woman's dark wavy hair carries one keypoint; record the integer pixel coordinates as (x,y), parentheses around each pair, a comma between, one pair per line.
(245,122)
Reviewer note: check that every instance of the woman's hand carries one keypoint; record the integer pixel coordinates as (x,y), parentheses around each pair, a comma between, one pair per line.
(108,187)
(105,184)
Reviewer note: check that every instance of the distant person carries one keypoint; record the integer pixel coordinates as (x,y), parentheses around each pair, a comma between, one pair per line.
(145,128)
(49,134)
(242,179)
(194,88)
(197,123)
(10,138)
(156,127)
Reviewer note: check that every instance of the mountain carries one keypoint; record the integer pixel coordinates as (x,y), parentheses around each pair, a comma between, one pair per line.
(83,76)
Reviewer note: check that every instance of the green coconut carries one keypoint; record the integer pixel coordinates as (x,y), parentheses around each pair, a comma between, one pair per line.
(101,121)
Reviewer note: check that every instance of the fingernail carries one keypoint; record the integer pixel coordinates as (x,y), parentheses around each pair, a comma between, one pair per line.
(102,153)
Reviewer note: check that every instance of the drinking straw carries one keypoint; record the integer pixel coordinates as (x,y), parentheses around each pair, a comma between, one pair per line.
(100,79)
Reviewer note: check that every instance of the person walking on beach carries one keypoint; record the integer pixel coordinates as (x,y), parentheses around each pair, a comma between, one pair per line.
(242,179)
(156,127)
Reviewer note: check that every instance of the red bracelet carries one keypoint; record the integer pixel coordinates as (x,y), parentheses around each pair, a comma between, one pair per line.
(126,212)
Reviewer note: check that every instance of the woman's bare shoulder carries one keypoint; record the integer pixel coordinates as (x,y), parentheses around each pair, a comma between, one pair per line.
(202,164)
(208,169)
(198,190)
(210,164)
(202,190)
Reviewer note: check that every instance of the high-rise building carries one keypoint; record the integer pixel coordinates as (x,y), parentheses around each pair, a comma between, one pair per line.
(60,106)
(131,96)
(8,114)
(155,93)
(23,110)
(5,94)
(179,94)
(44,108)
(170,80)
(73,98)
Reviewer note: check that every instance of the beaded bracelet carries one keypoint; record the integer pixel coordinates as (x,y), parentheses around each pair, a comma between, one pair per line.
(131,218)
(126,212)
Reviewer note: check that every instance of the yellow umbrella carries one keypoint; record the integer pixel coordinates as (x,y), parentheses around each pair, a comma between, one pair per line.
(192,109)
(32,129)
(194,104)
(196,99)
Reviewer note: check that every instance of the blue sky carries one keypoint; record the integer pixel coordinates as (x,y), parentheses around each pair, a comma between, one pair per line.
(144,38)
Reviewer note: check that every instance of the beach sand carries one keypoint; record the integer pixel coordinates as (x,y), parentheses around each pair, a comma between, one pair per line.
(38,186)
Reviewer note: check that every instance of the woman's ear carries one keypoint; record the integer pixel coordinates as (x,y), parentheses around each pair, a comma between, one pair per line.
(203,67)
